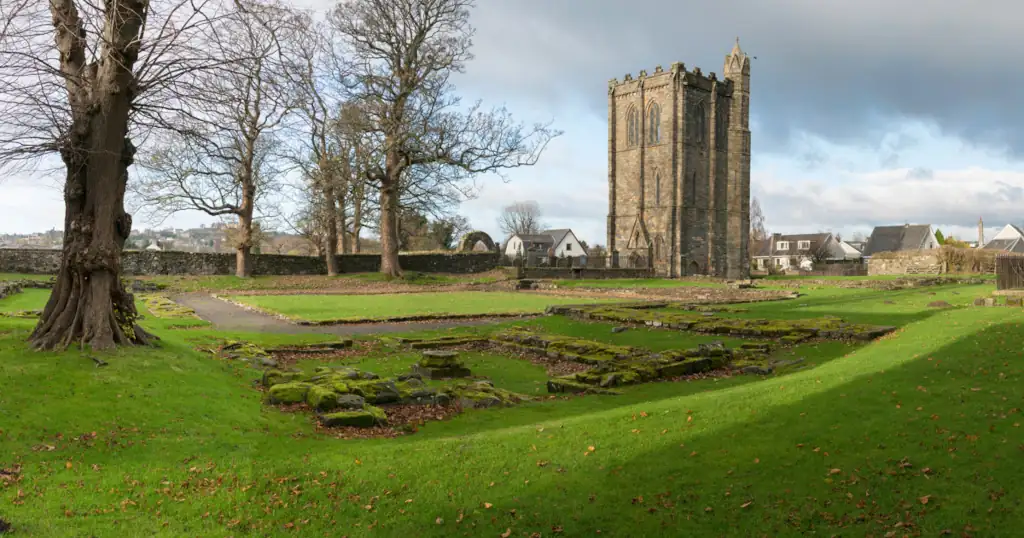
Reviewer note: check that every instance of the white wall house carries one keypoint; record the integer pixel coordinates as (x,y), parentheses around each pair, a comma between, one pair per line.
(1009,239)
(563,241)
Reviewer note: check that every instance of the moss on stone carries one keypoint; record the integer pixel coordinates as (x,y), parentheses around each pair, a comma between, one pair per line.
(367,417)
(289,393)
(321,398)
(163,307)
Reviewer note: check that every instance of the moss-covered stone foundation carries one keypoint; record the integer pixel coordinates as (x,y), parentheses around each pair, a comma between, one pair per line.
(788,331)
(614,366)
(350,397)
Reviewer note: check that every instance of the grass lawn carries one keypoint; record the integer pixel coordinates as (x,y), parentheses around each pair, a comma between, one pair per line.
(377,307)
(309,282)
(638,283)
(918,433)
(30,299)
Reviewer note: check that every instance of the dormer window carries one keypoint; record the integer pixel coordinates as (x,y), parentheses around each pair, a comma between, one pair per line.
(782,245)
(803,245)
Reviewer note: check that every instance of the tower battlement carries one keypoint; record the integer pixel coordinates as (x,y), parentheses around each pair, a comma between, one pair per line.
(693,77)
(679,169)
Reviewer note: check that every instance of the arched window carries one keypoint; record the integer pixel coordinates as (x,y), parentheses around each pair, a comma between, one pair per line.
(654,124)
(657,188)
(693,185)
(700,123)
(632,127)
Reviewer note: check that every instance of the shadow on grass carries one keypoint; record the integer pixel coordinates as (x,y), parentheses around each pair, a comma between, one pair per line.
(932,444)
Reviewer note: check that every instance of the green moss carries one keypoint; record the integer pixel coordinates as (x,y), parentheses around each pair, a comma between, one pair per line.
(289,393)
(277,377)
(163,307)
(321,398)
(367,417)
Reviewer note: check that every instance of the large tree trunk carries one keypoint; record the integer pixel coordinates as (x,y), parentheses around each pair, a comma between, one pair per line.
(389,264)
(243,250)
(331,235)
(89,304)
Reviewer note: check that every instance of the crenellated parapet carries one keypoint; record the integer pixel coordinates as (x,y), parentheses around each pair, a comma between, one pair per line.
(677,71)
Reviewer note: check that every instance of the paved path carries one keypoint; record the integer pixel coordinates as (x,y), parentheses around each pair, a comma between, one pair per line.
(228,317)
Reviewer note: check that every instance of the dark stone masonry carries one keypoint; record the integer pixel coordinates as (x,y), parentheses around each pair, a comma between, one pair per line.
(29,261)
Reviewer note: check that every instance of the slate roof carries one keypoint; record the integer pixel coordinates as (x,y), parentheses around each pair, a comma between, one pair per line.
(1015,244)
(896,238)
(557,235)
(1006,245)
(761,249)
(816,240)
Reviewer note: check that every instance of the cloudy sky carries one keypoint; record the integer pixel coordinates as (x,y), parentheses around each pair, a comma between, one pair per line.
(863,113)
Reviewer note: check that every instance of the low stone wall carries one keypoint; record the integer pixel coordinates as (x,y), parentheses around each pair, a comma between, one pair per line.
(9,288)
(583,273)
(916,262)
(34,261)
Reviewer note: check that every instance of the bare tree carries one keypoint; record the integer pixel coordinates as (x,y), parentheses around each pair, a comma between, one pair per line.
(227,156)
(757,223)
(82,80)
(403,53)
(522,218)
(319,151)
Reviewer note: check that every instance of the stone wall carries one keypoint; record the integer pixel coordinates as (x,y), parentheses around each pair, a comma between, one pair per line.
(913,262)
(588,273)
(28,261)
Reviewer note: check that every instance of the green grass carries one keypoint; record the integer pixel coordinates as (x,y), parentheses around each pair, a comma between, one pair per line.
(18,276)
(376,307)
(307,282)
(30,299)
(916,434)
(638,283)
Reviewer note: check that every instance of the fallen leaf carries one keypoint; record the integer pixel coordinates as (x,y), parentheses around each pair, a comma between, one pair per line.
(439,521)
(591,448)
(68,464)
(835,471)
(746,504)
(507,533)
(925,499)
(488,505)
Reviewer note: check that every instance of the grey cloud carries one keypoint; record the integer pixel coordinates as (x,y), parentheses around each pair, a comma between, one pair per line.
(837,71)
(920,173)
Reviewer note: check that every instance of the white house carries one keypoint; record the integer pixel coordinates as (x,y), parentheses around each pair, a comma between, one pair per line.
(562,243)
(1009,239)
(782,252)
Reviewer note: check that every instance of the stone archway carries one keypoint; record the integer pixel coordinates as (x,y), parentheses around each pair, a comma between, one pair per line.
(471,239)
(694,268)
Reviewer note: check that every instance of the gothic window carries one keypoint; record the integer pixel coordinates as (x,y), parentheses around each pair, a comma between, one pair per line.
(632,128)
(654,124)
(700,123)
(693,187)
(657,188)
(744,112)
(659,249)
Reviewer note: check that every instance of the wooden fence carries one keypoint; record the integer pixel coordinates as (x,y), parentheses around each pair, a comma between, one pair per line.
(1009,272)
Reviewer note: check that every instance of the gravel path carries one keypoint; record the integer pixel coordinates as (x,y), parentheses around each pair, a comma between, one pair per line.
(228,317)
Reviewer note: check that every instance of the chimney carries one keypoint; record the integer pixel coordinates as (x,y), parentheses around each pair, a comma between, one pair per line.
(981,233)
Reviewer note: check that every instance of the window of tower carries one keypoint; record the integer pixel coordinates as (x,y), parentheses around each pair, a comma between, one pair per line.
(701,123)
(657,188)
(632,128)
(654,124)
